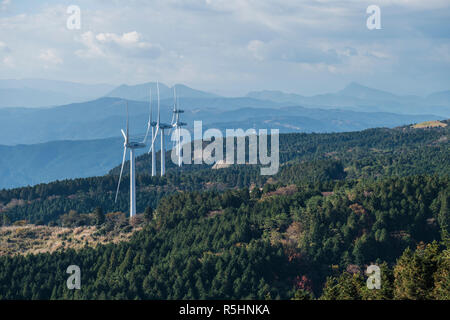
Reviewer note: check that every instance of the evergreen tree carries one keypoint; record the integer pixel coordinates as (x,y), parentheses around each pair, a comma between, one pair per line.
(414,273)
(148,214)
(99,216)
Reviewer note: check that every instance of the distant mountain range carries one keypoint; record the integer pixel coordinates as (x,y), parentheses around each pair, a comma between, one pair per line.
(23,165)
(43,162)
(103,118)
(33,93)
(360,98)
(42,93)
(356,97)
(141,92)
(82,139)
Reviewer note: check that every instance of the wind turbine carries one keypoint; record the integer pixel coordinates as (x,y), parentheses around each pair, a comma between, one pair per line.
(162,127)
(177,125)
(152,124)
(132,145)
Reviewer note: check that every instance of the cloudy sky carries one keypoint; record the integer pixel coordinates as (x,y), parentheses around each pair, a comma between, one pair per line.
(231,46)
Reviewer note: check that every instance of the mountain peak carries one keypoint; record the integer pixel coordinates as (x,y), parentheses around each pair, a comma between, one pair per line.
(354,89)
(275,95)
(141,92)
(355,85)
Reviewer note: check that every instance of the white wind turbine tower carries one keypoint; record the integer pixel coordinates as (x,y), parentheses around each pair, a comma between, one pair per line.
(177,125)
(162,126)
(132,145)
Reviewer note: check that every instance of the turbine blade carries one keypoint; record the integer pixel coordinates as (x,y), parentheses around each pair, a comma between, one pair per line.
(174,104)
(157,90)
(127,121)
(123,133)
(146,134)
(153,140)
(151,114)
(149,119)
(121,171)
(174,98)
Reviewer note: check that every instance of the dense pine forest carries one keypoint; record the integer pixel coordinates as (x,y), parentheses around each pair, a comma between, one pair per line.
(339,203)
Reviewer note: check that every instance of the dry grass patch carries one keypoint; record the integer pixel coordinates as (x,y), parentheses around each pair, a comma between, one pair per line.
(31,239)
(429,124)
(283,191)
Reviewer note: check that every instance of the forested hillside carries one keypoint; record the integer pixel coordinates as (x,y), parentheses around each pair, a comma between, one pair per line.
(340,202)
(241,244)
(369,154)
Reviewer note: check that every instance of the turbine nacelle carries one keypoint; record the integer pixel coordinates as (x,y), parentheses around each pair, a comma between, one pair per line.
(135,145)
(165,126)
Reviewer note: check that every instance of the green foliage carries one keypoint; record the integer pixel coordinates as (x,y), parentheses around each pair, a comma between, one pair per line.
(318,159)
(442,277)
(358,198)
(301,294)
(418,275)
(99,216)
(148,214)
(228,245)
(346,287)
(415,271)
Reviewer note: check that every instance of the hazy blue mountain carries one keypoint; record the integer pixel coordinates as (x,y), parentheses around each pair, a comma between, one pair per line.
(300,119)
(41,92)
(67,87)
(221,104)
(356,90)
(31,164)
(103,118)
(440,98)
(19,97)
(361,98)
(141,92)
(277,96)
(23,165)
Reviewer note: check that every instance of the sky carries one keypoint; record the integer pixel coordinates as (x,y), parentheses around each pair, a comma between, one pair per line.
(231,47)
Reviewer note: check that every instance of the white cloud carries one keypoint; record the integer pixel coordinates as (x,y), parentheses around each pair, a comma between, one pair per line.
(5,56)
(4,4)
(305,46)
(111,44)
(50,56)
(9,62)
(256,47)
(4,47)
(413,4)
(92,48)
(126,39)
